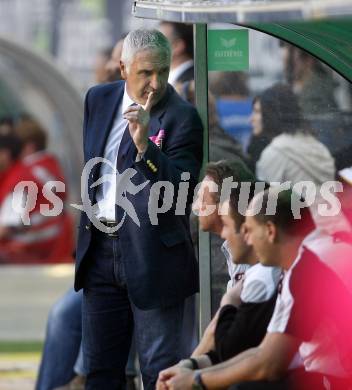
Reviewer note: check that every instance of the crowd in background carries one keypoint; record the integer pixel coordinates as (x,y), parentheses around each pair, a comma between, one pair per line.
(29,235)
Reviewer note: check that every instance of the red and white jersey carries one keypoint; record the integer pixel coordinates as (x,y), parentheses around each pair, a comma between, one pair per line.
(315,306)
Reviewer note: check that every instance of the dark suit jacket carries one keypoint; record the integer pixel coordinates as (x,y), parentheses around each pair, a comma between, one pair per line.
(186,75)
(159,260)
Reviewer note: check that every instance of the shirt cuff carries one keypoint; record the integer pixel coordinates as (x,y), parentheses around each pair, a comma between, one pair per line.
(140,156)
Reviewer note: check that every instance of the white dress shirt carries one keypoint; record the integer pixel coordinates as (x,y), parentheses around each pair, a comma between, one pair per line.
(176,72)
(106,192)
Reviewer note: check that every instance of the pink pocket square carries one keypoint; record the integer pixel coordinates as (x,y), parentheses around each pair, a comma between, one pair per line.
(158,138)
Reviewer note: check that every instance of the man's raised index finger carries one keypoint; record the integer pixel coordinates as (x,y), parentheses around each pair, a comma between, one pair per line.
(148,105)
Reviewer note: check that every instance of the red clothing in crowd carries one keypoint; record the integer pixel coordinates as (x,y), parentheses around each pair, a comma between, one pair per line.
(47,239)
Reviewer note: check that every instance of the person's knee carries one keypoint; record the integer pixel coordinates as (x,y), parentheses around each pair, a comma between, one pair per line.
(65,312)
(57,315)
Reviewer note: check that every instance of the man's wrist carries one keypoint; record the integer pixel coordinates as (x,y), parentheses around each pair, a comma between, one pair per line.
(140,155)
(198,383)
(141,149)
(189,363)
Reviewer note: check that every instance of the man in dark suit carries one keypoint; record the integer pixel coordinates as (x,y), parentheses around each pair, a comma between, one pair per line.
(135,272)
(180,36)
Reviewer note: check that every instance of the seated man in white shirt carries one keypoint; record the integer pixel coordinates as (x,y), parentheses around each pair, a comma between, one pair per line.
(207,202)
(312,301)
(246,308)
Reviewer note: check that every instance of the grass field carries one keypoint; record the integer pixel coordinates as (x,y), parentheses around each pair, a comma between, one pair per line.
(19,364)
(14,347)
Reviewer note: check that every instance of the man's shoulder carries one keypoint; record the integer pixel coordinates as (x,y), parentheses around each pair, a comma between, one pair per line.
(260,283)
(175,105)
(307,260)
(311,272)
(265,273)
(103,89)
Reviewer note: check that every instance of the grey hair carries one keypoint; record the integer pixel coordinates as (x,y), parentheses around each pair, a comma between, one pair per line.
(143,39)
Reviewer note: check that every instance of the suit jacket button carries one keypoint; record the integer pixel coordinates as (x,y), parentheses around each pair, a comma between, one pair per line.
(87,227)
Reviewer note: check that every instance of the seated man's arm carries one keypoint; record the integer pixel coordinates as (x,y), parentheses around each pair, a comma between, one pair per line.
(269,361)
(207,342)
(241,328)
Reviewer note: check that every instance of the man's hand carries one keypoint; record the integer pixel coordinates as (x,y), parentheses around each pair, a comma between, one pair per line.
(233,296)
(138,118)
(175,378)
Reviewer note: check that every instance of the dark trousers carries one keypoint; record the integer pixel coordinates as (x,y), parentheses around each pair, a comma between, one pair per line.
(109,317)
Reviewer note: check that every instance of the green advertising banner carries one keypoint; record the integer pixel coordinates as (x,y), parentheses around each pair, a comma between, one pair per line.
(228,50)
